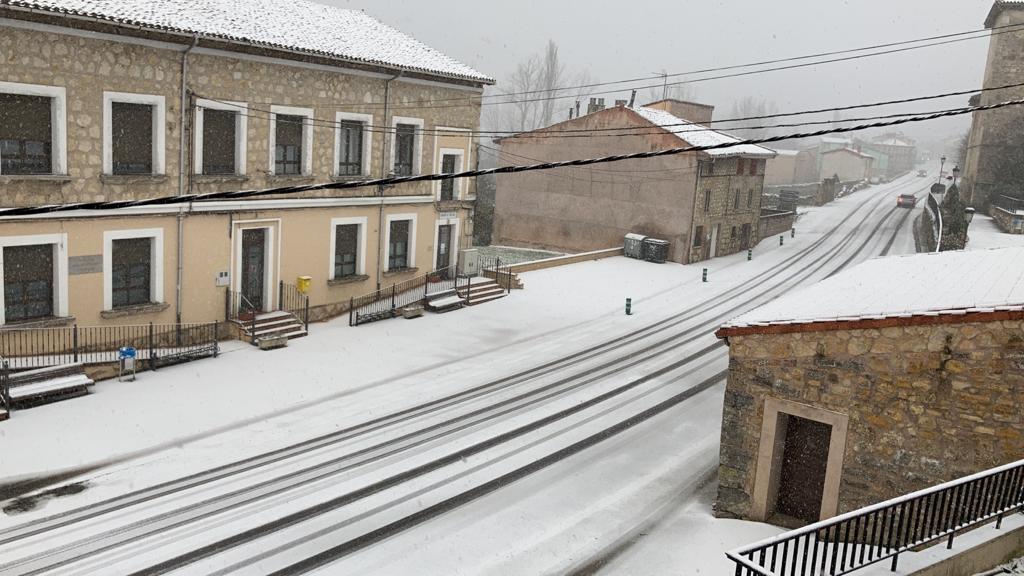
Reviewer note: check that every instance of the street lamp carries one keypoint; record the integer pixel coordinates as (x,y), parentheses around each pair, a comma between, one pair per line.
(942,162)
(968,214)
(956,172)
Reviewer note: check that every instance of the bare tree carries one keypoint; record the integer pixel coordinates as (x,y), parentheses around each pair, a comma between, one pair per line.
(552,73)
(750,106)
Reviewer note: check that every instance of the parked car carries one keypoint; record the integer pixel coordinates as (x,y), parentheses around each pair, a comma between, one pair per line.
(906,201)
(922,173)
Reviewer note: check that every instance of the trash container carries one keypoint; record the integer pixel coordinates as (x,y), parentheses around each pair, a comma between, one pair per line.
(634,246)
(302,283)
(655,250)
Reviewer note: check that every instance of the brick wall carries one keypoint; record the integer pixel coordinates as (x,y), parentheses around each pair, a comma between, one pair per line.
(926,404)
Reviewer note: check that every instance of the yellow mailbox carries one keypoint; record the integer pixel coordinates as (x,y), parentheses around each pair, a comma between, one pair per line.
(303,284)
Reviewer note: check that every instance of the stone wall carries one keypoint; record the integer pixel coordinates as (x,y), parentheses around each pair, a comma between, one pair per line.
(774,222)
(725,211)
(926,403)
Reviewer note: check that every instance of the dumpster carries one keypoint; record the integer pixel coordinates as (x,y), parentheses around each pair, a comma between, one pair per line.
(655,250)
(634,247)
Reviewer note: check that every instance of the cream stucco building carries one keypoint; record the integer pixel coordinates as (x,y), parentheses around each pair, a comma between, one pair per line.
(115,102)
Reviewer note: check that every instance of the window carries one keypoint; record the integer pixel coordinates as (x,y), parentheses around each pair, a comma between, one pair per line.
(405,149)
(220,133)
(131,271)
(346,250)
(350,148)
(133,134)
(26,134)
(132,267)
(707,168)
(732,235)
(753,166)
(28,282)
(451,162)
(736,200)
(398,245)
(218,142)
(739,166)
(707,201)
(291,141)
(288,145)
(32,129)
(750,198)
(698,237)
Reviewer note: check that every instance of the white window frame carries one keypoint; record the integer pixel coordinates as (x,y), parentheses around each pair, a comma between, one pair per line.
(58,119)
(241,131)
(361,248)
(417,161)
(156,258)
(60,263)
(459,167)
(159,128)
(367,121)
(387,239)
(307,136)
(455,239)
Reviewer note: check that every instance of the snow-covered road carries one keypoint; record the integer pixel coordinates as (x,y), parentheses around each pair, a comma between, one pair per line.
(549,453)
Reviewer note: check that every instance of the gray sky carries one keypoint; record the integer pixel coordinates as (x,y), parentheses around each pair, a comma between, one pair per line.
(621,40)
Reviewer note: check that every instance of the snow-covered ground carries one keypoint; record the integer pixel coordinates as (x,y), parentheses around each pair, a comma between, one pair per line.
(599,506)
(983,233)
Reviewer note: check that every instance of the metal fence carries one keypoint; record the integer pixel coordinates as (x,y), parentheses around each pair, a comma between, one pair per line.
(290,299)
(846,543)
(156,344)
(239,309)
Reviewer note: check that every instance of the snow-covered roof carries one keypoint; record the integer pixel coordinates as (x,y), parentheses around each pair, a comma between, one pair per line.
(835,140)
(698,135)
(783,152)
(892,141)
(849,151)
(294,25)
(947,284)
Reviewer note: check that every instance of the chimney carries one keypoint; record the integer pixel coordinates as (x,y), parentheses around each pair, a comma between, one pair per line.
(632,98)
(577,108)
(570,112)
(596,105)
(620,103)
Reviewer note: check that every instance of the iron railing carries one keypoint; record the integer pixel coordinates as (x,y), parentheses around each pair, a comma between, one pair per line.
(156,344)
(1008,203)
(290,299)
(500,270)
(384,303)
(239,309)
(851,541)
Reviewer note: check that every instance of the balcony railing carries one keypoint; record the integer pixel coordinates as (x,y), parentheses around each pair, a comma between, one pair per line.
(851,541)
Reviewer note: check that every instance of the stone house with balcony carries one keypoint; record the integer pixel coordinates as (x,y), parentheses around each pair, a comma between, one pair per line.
(705,204)
(884,379)
(112,102)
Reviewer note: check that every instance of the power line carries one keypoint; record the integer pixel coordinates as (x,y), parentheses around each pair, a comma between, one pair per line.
(393,180)
(975,33)
(379,129)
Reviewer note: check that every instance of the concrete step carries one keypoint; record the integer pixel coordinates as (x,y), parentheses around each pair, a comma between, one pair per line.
(474,301)
(47,373)
(279,327)
(485,292)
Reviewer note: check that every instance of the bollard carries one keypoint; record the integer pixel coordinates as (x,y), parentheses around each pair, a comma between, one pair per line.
(629,306)
(705,275)
(781,240)
(792,232)
(750,254)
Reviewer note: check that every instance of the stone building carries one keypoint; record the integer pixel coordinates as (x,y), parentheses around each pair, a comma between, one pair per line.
(704,203)
(889,377)
(992,167)
(118,103)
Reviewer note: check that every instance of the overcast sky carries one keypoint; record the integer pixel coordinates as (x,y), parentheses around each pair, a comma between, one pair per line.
(617,40)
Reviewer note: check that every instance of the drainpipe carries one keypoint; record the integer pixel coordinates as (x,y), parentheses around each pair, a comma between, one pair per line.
(381,254)
(182,157)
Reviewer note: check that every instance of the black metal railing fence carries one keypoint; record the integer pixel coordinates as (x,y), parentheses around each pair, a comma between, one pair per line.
(860,538)
(156,344)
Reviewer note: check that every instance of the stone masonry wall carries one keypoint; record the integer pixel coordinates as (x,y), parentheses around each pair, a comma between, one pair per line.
(926,404)
(723,211)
